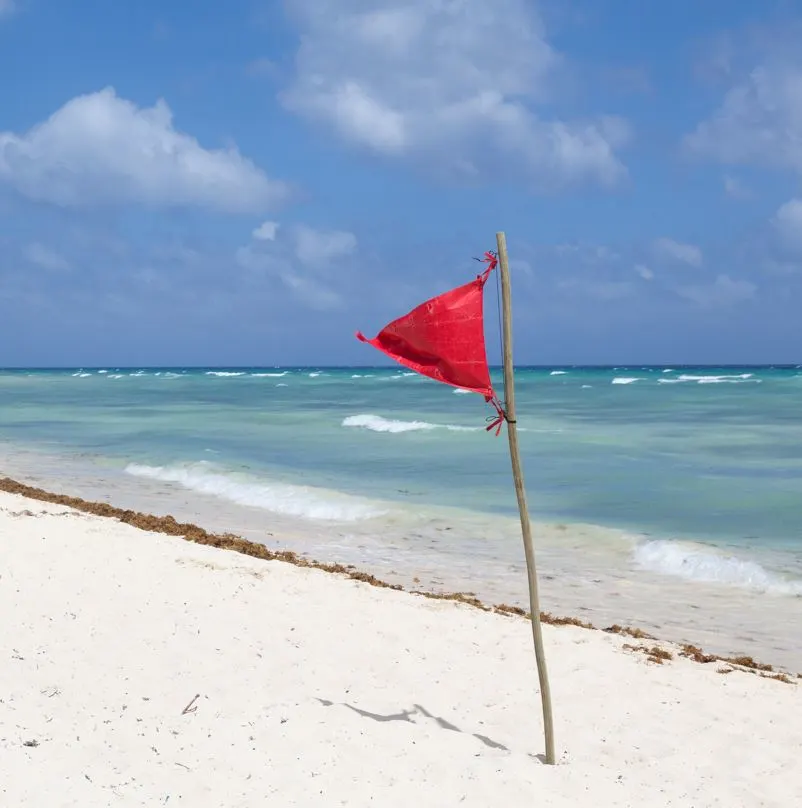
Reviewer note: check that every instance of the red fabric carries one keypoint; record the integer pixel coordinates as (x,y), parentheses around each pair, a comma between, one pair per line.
(444,337)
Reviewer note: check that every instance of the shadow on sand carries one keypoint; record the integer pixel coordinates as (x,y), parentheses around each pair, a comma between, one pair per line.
(406,715)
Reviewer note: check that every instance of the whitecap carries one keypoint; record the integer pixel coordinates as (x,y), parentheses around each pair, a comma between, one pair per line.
(626,380)
(376,423)
(290,500)
(224,373)
(705,565)
(739,378)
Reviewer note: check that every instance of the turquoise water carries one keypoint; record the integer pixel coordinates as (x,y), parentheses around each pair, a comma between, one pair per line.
(706,455)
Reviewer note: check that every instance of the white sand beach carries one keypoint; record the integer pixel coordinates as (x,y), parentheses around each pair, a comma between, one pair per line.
(316,690)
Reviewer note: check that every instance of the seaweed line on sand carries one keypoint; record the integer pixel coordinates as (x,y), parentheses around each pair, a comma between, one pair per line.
(228,541)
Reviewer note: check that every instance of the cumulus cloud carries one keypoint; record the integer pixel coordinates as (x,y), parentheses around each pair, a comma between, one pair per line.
(307,261)
(266,231)
(45,257)
(454,86)
(101,149)
(735,189)
(315,247)
(758,122)
(724,291)
(788,223)
(684,253)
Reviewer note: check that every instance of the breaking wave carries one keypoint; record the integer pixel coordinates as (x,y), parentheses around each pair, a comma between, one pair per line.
(376,423)
(289,500)
(704,565)
(626,379)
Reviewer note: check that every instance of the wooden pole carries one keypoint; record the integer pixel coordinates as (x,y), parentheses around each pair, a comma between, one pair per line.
(520,491)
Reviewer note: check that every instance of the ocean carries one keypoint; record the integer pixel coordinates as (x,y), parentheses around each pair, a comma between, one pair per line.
(664,497)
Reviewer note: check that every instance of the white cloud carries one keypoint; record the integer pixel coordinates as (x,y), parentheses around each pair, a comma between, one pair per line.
(788,223)
(102,149)
(758,122)
(734,188)
(46,258)
(724,291)
(309,263)
(644,272)
(313,247)
(452,85)
(6,7)
(685,253)
(266,231)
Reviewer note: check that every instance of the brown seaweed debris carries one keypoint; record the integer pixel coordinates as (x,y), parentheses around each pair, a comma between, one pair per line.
(778,677)
(168,525)
(747,662)
(546,617)
(697,655)
(654,654)
(637,633)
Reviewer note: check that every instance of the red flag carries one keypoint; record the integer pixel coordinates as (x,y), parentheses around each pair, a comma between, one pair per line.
(444,338)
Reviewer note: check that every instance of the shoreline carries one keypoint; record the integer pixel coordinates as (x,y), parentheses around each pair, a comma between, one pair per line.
(191,532)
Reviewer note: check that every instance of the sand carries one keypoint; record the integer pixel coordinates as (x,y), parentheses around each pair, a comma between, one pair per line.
(314,689)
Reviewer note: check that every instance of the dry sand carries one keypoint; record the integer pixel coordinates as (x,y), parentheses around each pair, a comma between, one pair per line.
(318,690)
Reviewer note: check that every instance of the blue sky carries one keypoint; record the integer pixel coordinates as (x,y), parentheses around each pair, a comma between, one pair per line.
(251,182)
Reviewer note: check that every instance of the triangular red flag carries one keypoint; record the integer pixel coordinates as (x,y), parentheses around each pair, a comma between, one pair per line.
(444,338)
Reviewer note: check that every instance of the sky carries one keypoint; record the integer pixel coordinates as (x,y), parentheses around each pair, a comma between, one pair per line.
(250,182)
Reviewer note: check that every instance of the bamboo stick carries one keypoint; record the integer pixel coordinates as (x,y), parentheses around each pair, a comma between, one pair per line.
(520,491)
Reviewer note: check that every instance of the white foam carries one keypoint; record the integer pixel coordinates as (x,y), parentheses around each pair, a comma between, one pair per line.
(558,373)
(668,370)
(103,371)
(705,565)
(225,373)
(315,375)
(272,375)
(81,375)
(290,500)
(376,423)
(460,391)
(712,379)
(715,379)
(626,379)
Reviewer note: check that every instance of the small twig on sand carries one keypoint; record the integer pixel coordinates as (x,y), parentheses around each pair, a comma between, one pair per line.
(190,708)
